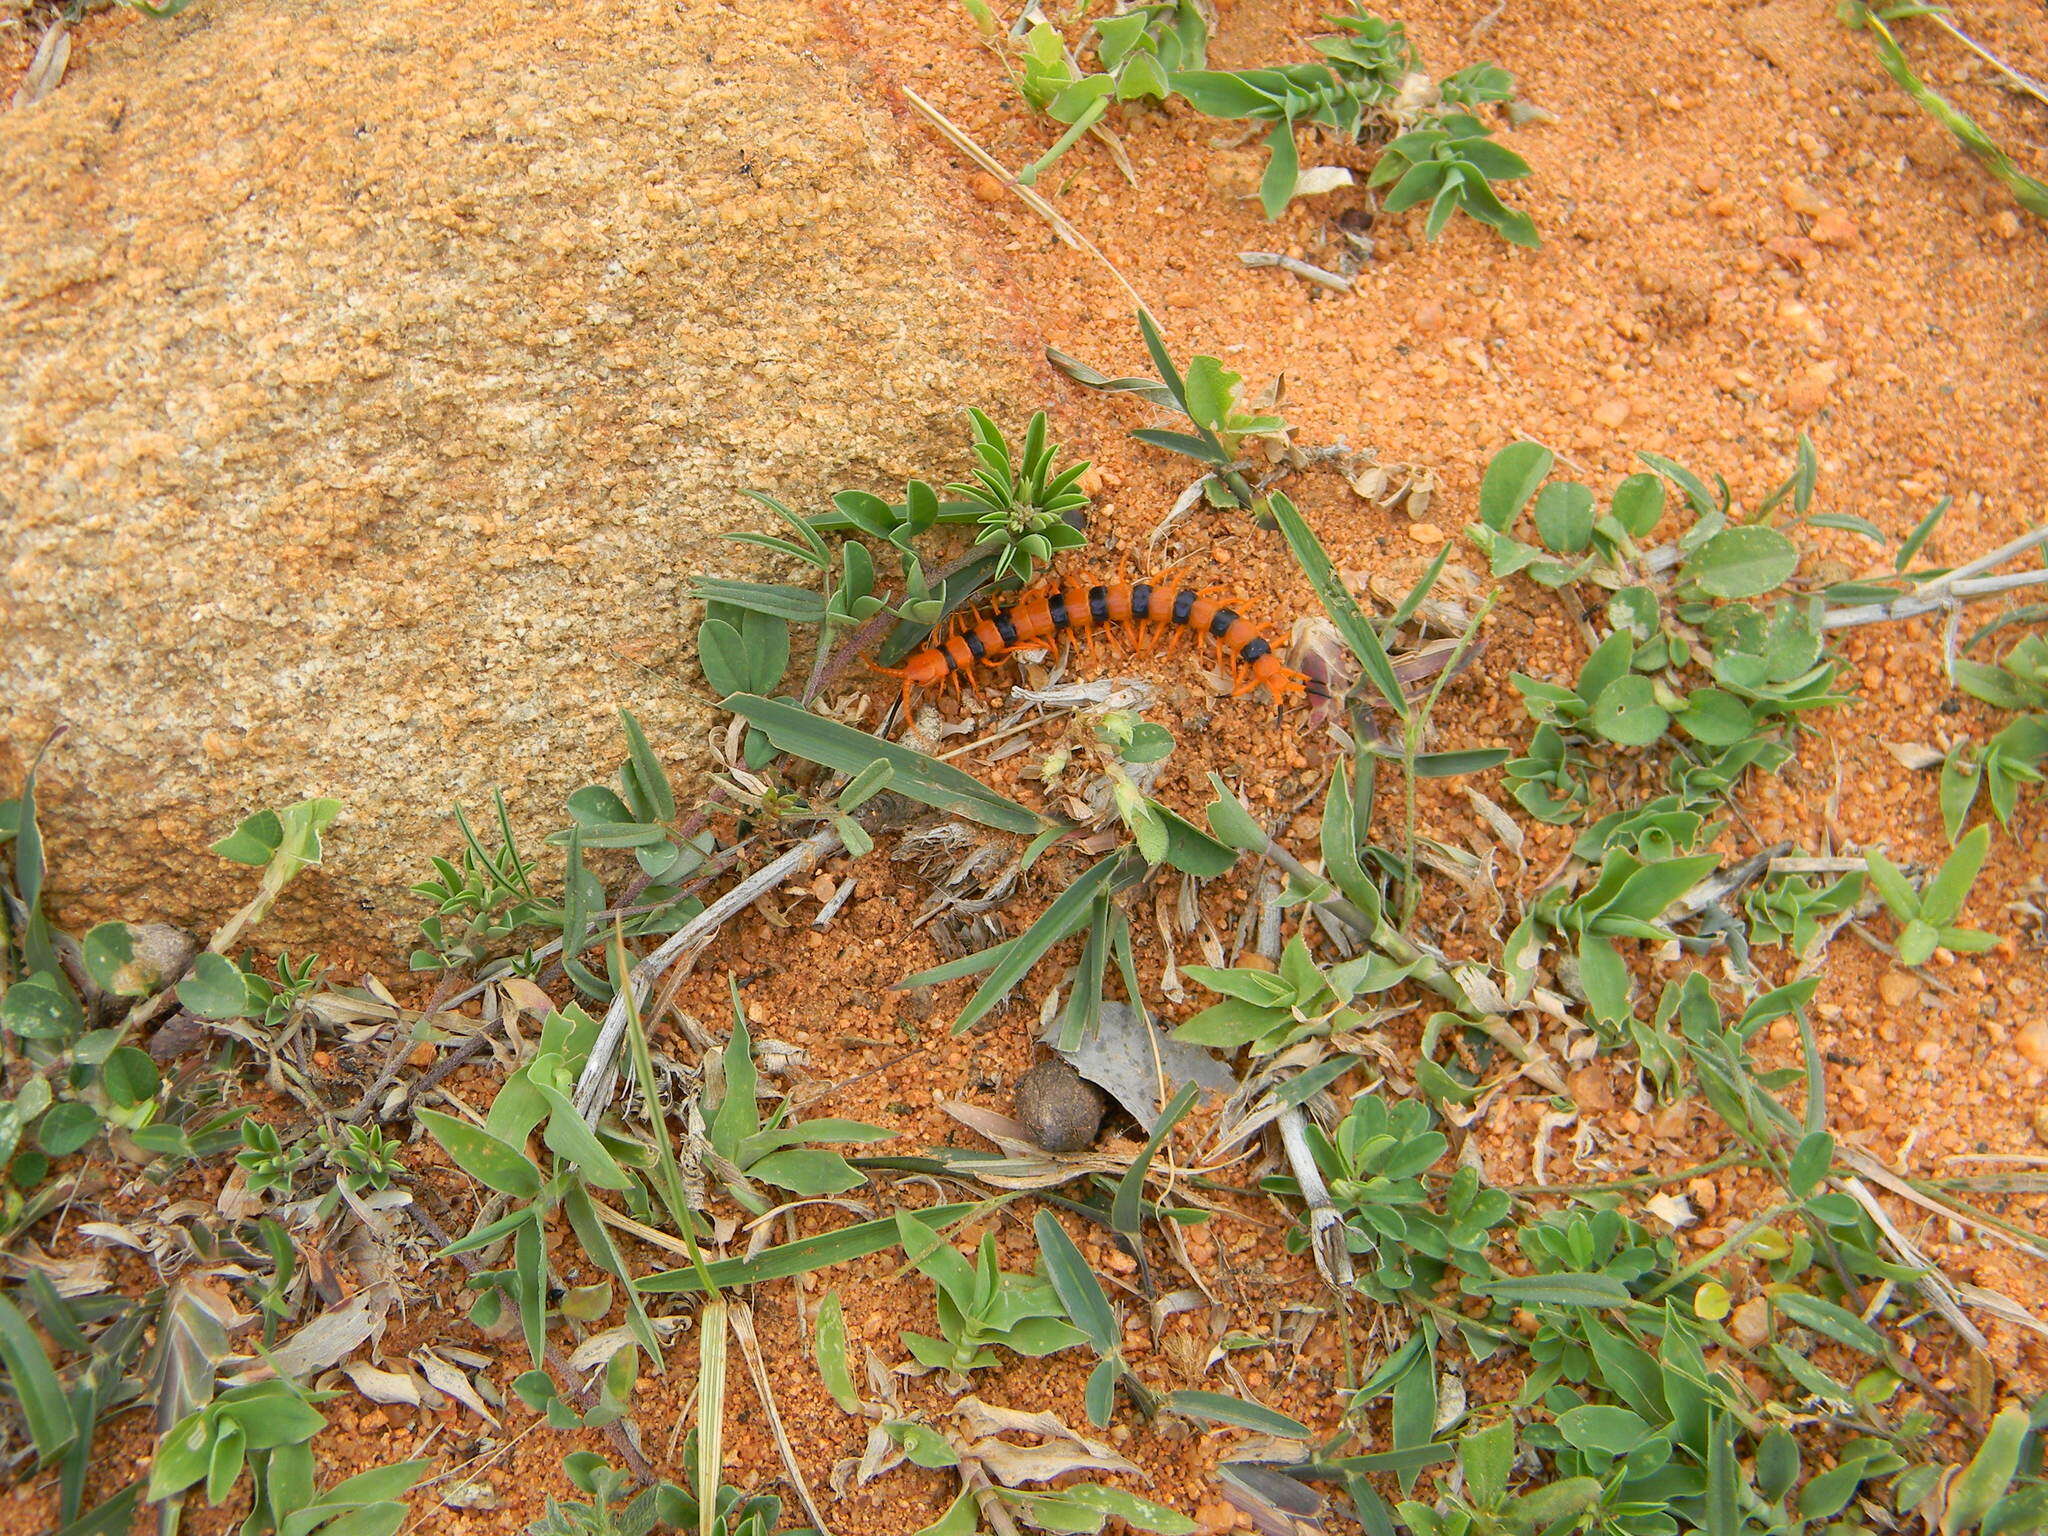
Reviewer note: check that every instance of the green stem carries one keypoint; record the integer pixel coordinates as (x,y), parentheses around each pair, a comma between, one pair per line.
(1066,141)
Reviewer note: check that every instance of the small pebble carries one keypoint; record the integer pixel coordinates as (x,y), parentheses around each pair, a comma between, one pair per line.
(986,188)
(1897,988)
(2032,1043)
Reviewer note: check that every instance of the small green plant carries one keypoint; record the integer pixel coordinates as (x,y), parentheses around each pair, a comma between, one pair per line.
(1209,395)
(266,1429)
(368,1158)
(1031,507)
(1367,76)
(1374,1162)
(1628,896)
(1927,917)
(612,1508)
(266,1161)
(1452,165)
(779,1151)
(1269,1010)
(980,1307)
(1791,910)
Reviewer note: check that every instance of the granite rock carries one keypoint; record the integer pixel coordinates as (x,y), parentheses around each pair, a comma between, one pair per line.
(374,376)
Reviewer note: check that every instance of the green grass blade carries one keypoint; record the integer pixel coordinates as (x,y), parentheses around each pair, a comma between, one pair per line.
(1074,1281)
(921,778)
(1130,1189)
(1338,602)
(1059,921)
(801,1256)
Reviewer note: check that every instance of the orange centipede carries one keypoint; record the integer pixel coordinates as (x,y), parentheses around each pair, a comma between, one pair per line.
(1147,610)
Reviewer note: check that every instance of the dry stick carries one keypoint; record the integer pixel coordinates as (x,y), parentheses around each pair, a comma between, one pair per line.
(1941,595)
(557,1362)
(1320,276)
(593,1087)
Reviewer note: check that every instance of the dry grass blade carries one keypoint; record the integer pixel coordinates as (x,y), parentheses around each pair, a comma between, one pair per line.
(1936,1285)
(1061,226)
(750,1346)
(46,70)
(1884,1178)
(710,1468)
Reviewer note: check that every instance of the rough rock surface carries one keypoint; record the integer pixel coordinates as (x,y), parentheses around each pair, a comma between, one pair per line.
(372,378)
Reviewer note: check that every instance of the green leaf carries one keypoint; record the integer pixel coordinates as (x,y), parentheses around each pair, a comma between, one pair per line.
(913,774)
(1511,479)
(1283,170)
(569,1136)
(1072,1278)
(1451,765)
(41,1007)
(1918,940)
(1740,562)
(1627,712)
(962,1518)
(1564,517)
(647,768)
(1138,1513)
(798,605)
(1638,505)
(1220,1408)
(1231,822)
(1605,976)
(34,1383)
(925,1446)
(1337,601)
(807,1171)
(1810,1162)
(1989,1474)
(1604,1428)
(1488,1459)
(1892,886)
(491,1162)
(1839,1324)
(1943,898)
(1562,1290)
(109,955)
(829,1341)
(1130,1188)
(805,1254)
(217,988)
(67,1127)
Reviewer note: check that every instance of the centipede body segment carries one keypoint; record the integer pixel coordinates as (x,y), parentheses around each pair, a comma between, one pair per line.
(1148,612)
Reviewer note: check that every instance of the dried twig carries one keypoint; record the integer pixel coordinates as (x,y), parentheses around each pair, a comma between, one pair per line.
(594,1087)
(1322,277)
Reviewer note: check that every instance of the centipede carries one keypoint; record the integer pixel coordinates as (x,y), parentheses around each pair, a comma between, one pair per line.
(1147,613)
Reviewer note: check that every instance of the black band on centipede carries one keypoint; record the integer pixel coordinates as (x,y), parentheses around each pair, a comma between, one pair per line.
(1098,604)
(1141,601)
(1006,627)
(1056,605)
(1183,604)
(1220,625)
(975,646)
(1255,649)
